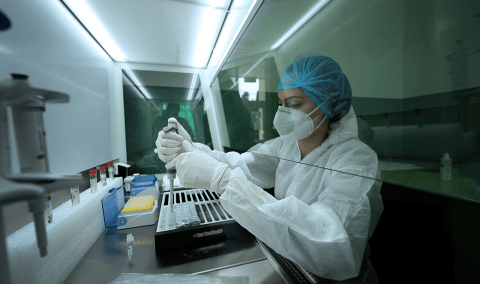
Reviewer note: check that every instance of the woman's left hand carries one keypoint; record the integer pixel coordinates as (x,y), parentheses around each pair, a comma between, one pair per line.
(197,169)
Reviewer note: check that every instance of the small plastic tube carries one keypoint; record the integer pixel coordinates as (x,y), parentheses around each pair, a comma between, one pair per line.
(103,176)
(130,240)
(93,180)
(75,195)
(110,170)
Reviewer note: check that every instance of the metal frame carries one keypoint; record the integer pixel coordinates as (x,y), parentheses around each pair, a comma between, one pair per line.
(251,14)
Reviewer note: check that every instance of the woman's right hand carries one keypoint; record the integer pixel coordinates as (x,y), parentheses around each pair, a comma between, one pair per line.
(169,144)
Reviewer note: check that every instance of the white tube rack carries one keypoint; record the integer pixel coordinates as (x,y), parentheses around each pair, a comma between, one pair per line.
(207,204)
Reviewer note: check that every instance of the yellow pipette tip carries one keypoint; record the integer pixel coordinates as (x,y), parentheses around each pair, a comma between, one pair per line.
(138,203)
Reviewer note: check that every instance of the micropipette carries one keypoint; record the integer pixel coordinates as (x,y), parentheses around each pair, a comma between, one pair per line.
(171,173)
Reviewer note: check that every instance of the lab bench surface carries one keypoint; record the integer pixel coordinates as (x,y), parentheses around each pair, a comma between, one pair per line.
(239,256)
(459,187)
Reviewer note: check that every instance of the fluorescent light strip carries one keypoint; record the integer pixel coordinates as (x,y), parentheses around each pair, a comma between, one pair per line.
(139,94)
(81,28)
(138,84)
(312,12)
(220,63)
(206,35)
(251,68)
(199,94)
(90,20)
(192,86)
(255,65)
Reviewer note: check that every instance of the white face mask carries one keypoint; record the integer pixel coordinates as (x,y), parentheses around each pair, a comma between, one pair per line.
(294,124)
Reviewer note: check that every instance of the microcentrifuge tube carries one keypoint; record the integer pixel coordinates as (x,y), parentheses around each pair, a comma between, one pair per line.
(93,180)
(110,170)
(103,176)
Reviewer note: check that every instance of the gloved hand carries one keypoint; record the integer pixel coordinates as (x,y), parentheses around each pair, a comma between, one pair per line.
(169,144)
(197,169)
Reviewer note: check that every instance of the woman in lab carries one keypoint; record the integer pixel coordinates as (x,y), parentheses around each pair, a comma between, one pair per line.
(327,202)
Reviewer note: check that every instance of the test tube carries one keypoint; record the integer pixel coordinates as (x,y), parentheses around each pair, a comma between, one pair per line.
(93,180)
(103,176)
(110,170)
(75,193)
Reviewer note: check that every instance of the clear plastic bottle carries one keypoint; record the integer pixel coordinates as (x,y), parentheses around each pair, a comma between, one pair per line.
(446,167)
(93,180)
(110,170)
(48,209)
(75,193)
(103,176)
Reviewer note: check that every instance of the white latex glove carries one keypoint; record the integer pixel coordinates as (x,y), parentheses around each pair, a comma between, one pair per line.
(169,144)
(197,169)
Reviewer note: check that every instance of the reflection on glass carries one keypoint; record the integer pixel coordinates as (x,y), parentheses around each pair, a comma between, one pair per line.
(185,118)
(326,180)
(414,71)
(415,83)
(170,95)
(249,103)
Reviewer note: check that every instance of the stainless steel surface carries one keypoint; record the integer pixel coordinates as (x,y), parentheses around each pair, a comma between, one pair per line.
(280,272)
(259,272)
(227,267)
(107,258)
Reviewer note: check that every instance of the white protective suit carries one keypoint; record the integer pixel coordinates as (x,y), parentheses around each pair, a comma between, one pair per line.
(324,210)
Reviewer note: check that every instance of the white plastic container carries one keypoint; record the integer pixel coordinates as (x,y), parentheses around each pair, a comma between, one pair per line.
(446,167)
(128,181)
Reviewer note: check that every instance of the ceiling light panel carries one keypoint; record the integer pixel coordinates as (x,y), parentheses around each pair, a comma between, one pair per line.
(162,32)
(83,10)
(163,79)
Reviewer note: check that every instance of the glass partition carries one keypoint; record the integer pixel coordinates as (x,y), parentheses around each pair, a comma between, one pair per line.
(414,71)
(149,103)
(250,103)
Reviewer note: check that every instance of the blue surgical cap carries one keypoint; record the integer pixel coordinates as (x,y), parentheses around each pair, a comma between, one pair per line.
(323,81)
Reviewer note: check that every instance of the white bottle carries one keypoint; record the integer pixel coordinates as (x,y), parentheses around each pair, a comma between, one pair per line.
(446,167)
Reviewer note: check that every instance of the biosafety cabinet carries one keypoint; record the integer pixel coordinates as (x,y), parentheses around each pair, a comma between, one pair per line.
(88,84)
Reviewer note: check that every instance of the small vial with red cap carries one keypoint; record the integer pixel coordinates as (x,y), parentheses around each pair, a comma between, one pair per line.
(93,180)
(103,176)
(110,170)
